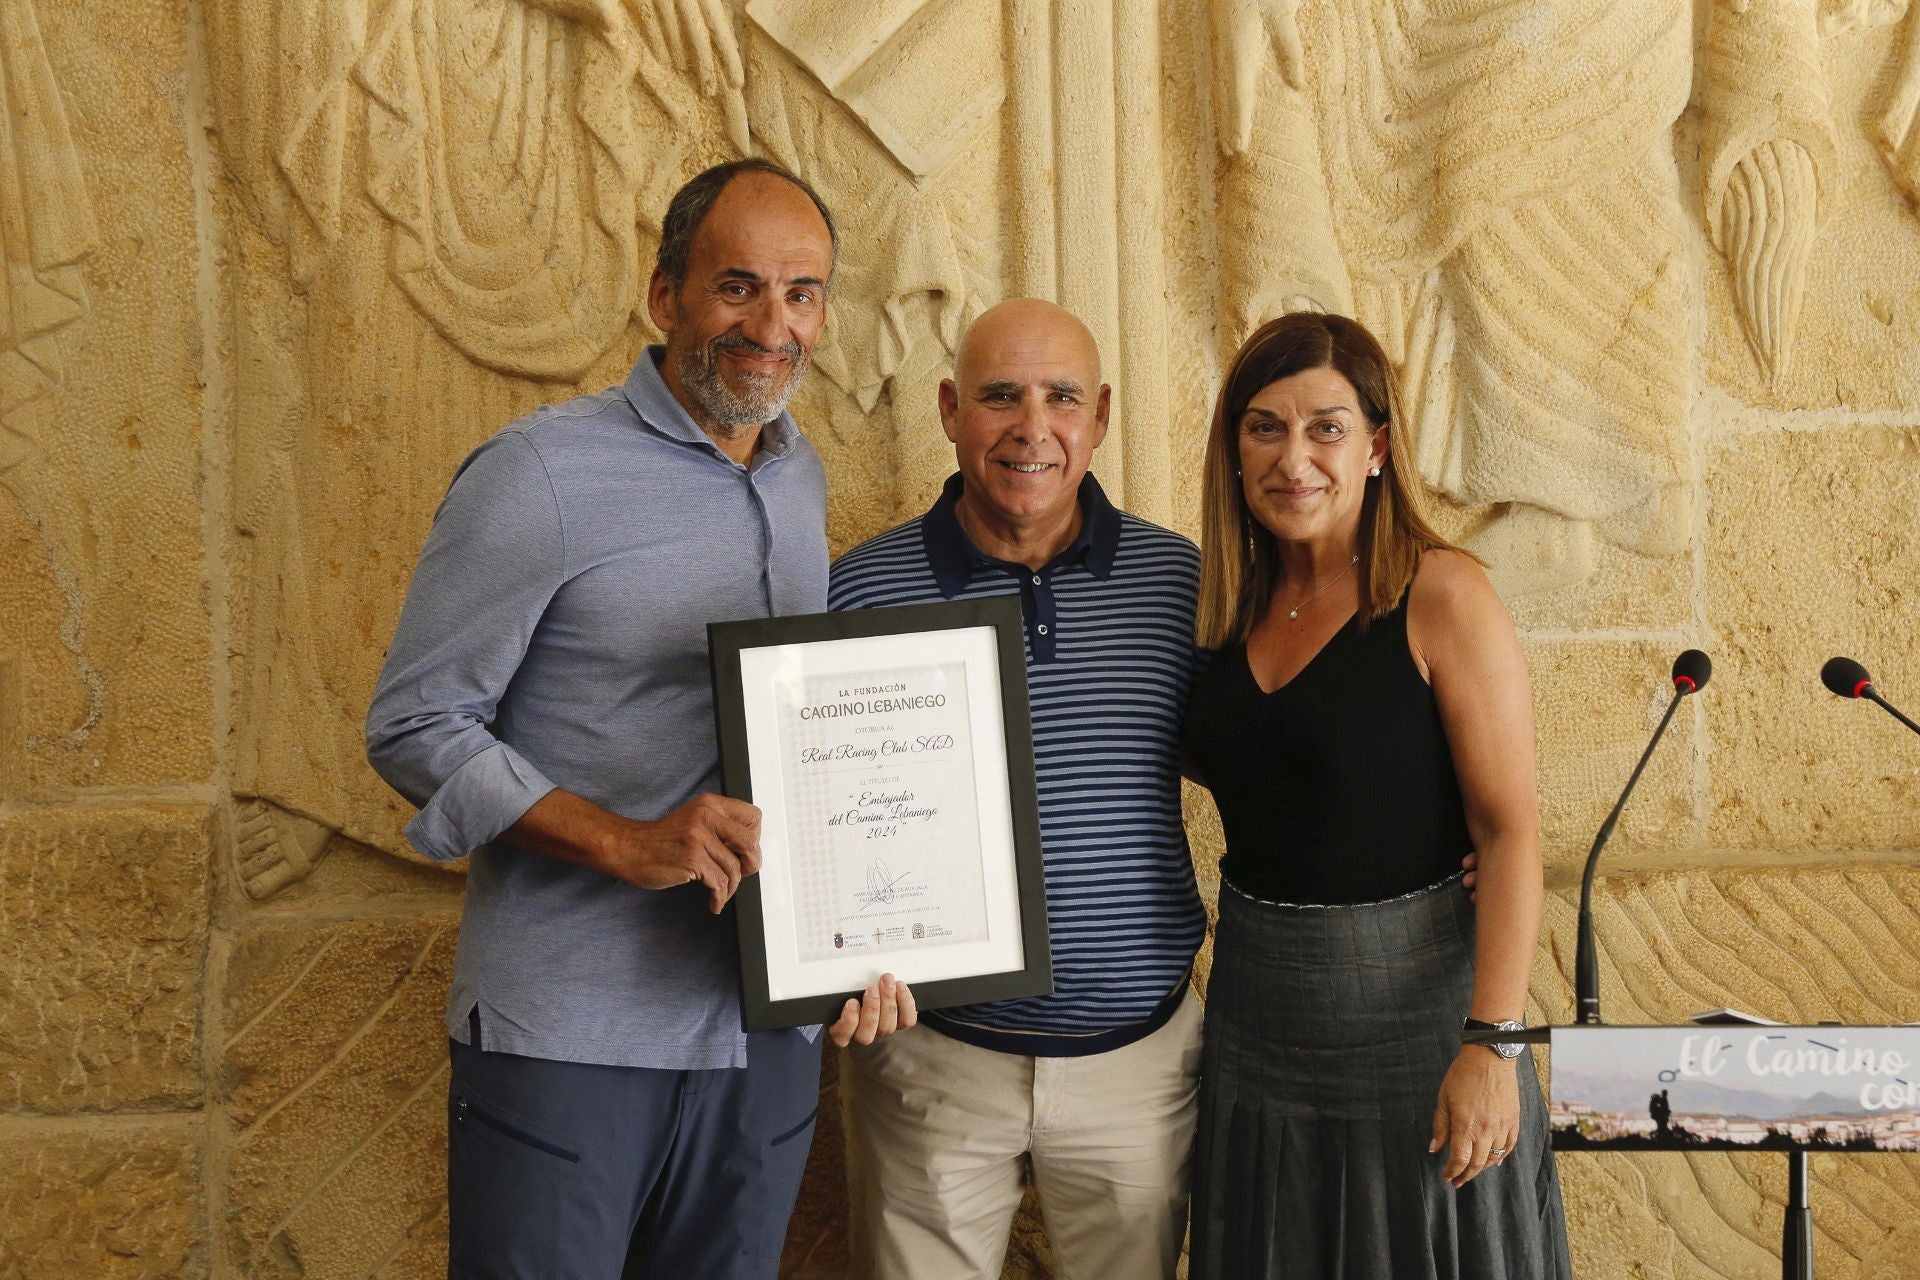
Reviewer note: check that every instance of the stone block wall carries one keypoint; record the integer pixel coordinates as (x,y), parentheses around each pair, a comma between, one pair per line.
(1650,272)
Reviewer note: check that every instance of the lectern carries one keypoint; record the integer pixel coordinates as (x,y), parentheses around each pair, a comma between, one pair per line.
(1731,1082)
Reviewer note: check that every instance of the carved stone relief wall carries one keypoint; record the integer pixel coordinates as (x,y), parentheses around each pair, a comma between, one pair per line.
(1509,228)
(100,525)
(46,229)
(1650,272)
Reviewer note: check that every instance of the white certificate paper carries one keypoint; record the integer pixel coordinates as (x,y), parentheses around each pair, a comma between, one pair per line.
(880,770)
(883,825)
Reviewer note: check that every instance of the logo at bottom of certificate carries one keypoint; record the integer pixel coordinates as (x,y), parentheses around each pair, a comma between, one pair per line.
(839,941)
(919,931)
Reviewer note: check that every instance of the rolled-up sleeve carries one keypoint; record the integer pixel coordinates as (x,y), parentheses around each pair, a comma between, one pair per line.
(495,557)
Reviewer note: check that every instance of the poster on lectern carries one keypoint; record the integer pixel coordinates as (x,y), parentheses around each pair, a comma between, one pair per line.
(1735,1088)
(890,753)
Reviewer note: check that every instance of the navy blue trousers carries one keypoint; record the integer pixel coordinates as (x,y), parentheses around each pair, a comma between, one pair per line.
(570,1171)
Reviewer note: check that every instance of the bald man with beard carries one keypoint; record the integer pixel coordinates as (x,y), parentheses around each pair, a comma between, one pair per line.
(1093,1086)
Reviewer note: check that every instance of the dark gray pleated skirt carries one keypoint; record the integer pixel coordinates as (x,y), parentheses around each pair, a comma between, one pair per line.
(1328,1032)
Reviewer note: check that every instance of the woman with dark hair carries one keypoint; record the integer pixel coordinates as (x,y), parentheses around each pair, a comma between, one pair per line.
(1366,723)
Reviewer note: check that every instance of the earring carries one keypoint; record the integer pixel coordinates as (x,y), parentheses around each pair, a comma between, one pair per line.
(1374,472)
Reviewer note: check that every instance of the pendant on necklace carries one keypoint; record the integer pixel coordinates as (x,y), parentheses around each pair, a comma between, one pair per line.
(1293,614)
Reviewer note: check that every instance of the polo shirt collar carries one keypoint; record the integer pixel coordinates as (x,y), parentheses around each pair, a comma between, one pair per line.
(647,391)
(953,556)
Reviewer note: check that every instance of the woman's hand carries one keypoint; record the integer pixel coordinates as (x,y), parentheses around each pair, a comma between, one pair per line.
(1477,1117)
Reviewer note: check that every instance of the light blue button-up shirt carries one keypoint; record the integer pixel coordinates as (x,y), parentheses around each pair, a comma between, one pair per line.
(555,635)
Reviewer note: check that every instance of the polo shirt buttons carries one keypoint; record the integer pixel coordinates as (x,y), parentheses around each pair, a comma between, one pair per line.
(1036,579)
(1042,628)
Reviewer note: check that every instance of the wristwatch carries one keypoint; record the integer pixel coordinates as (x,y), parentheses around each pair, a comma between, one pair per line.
(1508,1050)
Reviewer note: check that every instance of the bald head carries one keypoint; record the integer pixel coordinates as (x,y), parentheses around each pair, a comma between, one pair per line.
(1022,328)
(1025,410)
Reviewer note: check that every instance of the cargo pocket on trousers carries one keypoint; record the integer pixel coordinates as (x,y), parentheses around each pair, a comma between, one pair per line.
(783,1139)
(468,1111)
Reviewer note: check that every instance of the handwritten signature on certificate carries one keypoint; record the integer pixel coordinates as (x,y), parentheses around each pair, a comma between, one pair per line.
(883,887)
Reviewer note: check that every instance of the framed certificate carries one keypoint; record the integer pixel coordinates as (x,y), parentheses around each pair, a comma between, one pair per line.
(891,757)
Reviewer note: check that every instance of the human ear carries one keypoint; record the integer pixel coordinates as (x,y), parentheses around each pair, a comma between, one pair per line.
(661,299)
(950,409)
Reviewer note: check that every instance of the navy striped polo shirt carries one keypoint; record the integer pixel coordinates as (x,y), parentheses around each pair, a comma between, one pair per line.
(1110,661)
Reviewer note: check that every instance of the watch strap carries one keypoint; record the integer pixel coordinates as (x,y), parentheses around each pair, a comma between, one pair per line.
(1508,1050)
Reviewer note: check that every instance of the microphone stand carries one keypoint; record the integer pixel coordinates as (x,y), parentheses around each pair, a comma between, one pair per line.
(1872,695)
(1796,1230)
(1796,1226)
(1586,965)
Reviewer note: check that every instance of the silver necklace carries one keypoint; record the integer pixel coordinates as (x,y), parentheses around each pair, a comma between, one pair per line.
(1293,614)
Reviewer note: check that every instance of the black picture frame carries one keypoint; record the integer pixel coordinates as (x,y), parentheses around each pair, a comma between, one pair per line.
(728,640)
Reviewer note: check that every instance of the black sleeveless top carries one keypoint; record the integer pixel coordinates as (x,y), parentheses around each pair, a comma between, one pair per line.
(1338,786)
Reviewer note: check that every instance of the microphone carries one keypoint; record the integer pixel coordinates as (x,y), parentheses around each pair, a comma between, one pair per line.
(1692,670)
(1690,673)
(1849,679)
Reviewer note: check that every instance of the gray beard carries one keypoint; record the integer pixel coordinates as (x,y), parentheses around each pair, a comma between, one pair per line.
(732,410)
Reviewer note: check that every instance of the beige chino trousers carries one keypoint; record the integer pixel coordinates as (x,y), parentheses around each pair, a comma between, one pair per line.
(940,1133)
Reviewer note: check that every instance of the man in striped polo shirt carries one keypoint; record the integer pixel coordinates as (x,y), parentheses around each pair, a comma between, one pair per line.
(1094,1085)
